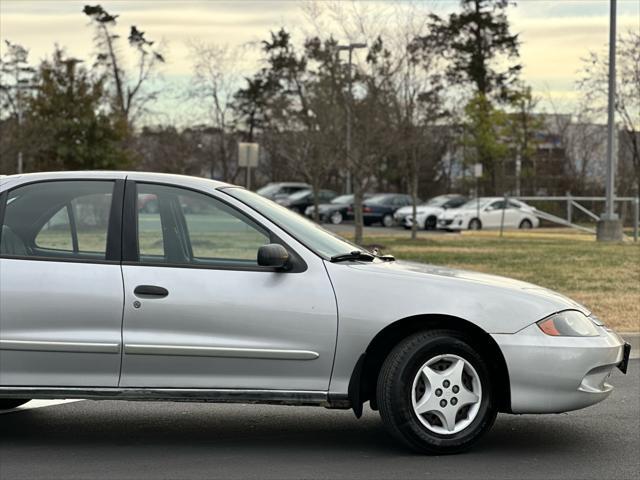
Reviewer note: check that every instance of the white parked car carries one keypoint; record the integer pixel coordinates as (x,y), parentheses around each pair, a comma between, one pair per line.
(489,212)
(428,212)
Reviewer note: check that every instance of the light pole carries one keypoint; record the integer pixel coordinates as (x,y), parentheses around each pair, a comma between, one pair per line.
(610,226)
(350,47)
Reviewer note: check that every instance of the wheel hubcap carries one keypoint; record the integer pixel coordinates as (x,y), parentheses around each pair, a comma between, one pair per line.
(446,394)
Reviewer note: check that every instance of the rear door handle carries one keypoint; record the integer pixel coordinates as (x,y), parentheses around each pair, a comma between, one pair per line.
(150,291)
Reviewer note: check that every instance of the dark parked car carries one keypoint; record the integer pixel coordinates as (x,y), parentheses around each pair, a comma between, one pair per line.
(277,190)
(299,201)
(335,211)
(381,207)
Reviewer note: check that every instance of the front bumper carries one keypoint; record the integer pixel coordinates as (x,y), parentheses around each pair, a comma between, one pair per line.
(450,224)
(557,374)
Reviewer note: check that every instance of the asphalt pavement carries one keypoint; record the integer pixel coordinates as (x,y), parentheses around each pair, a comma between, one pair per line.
(138,440)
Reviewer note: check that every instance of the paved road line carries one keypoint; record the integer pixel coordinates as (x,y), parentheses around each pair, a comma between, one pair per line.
(39,404)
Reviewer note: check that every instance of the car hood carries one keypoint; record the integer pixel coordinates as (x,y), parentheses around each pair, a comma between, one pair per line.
(420,210)
(460,281)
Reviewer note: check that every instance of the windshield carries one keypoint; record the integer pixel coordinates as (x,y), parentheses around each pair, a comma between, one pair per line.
(477,203)
(437,201)
(300,194)
(269,189)
(378,199)
(314,237)
(343,199)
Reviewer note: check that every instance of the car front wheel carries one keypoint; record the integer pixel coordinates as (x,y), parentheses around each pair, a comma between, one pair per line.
(475,224)
(336,218)
(430,223)
(434,393)
(9,403)
(387,220)
(525,224)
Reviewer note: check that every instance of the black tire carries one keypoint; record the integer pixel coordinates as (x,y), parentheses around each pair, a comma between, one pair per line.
(387,220)
(475,224)
(430,223)
(525,224)
(395,383)
(9,403)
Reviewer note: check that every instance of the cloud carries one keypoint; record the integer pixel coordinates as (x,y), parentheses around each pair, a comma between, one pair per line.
(555,34)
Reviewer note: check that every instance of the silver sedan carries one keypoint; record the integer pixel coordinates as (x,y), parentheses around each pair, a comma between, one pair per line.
(131,286)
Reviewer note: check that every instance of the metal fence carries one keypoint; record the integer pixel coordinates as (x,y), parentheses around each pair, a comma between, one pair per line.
(573,203)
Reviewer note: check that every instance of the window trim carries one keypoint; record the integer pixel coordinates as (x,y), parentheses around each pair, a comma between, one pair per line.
(130,254)
(114,225)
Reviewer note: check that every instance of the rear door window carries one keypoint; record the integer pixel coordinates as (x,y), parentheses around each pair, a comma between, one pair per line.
(61,219)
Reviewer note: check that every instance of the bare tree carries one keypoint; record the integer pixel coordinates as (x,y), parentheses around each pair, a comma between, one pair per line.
(214,83)
(594,86)
(130,99)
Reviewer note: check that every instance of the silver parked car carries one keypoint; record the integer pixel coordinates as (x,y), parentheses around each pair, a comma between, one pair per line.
(222,295)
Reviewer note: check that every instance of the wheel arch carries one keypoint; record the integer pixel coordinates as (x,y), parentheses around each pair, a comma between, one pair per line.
(362,385)
(432,217)
(476,219)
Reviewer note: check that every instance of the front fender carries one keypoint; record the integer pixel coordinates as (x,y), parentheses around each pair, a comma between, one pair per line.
(372,296)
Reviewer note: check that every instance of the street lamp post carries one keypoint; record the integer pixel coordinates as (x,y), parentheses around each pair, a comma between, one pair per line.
(350,47)
(610,226)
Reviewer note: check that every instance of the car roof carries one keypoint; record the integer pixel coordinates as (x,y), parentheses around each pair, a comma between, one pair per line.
(291,184)
(183,180)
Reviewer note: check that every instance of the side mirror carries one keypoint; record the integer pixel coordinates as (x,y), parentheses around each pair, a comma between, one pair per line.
(273,255)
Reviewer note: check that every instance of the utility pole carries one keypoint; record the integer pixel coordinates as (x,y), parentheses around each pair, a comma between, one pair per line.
(350,48)
(609,226)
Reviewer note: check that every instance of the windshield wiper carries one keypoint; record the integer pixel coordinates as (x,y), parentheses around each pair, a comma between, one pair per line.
(354,255)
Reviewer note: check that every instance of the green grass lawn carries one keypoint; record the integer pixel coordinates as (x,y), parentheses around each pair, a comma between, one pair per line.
(604,277)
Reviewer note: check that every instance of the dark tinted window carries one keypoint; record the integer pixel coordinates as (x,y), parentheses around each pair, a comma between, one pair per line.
(66,219)
(455,202)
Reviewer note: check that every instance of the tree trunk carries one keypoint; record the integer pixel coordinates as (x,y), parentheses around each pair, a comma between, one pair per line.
(414,194)
(316,212)
(357,211)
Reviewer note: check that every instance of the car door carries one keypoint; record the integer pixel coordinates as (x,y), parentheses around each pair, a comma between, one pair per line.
(199,311)
(492,214)
(60,284)
(512,215)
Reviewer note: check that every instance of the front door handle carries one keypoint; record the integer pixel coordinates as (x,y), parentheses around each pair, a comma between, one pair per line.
(150,291)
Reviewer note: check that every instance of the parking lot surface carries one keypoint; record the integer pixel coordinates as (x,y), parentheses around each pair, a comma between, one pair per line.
(110,439)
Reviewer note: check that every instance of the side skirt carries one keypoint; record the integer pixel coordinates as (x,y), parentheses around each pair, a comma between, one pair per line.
(274,397)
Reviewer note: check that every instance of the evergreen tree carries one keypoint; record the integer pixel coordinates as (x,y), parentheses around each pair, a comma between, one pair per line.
(66,124)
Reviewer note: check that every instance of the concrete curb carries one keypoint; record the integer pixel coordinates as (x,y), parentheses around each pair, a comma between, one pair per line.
(634,340)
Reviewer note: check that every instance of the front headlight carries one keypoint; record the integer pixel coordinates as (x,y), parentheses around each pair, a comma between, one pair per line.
(569,323)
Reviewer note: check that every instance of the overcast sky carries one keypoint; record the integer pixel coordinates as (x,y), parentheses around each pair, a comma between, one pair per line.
(555,34)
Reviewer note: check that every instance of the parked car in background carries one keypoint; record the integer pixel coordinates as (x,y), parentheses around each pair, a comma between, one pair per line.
(489,212)
(337,210)
(276,190)
(381,207)
(299,201)
(427,213)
